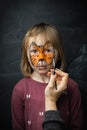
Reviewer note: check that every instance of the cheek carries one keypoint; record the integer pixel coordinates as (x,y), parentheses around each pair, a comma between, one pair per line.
(34,60)
(49,58)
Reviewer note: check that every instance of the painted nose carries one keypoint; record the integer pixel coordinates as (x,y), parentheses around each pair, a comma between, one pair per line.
(41,56)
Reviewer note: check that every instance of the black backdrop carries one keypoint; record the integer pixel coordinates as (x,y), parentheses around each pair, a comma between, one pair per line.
(16,16)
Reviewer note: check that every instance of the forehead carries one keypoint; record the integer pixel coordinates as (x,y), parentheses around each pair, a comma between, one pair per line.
(39,40)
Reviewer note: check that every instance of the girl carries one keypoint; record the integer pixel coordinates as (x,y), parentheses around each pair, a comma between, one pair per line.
(42,51)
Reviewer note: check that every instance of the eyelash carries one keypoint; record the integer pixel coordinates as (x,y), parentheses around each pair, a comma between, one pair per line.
(48,50)
(33,51)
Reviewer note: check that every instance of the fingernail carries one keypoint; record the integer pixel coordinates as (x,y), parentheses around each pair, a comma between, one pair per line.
(53,72)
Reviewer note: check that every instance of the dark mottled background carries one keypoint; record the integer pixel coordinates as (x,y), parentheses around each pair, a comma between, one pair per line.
(16,16)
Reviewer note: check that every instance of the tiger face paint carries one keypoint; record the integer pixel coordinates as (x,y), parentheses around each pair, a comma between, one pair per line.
(41,55)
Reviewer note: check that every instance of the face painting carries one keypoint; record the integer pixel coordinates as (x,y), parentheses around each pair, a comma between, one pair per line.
(41,55)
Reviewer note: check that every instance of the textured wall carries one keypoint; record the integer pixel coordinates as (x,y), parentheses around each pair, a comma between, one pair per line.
(16,16)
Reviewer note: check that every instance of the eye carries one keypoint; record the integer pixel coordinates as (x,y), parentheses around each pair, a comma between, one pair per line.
(33,51)
(49,50)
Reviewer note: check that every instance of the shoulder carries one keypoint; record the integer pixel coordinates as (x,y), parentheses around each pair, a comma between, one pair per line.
(72,86)
(21,84)
(72,82)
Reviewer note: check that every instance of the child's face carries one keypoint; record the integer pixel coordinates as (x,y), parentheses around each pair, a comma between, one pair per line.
(41,53)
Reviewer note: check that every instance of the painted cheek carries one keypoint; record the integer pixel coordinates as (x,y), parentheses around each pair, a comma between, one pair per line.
(49,58)
(34,60)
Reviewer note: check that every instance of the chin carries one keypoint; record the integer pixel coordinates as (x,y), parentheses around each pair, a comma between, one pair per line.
(42,71)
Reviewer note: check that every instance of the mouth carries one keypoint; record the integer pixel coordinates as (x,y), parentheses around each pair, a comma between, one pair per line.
(41,67)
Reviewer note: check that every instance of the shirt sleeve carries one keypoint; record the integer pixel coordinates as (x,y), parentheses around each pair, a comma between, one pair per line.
(52,121)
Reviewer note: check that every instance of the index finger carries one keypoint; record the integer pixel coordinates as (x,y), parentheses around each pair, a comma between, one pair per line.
(60,72)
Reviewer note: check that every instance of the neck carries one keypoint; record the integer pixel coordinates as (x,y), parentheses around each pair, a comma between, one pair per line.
(41,78)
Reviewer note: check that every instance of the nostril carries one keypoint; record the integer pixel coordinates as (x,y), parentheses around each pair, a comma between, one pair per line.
(41,59)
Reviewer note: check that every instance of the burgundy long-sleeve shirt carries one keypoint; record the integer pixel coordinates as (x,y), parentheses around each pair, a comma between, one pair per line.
(28,105)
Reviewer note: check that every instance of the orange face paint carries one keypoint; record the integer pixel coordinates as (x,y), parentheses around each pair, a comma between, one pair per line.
(41,53)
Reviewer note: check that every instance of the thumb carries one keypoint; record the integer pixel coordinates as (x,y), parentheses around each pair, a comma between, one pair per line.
(52,80)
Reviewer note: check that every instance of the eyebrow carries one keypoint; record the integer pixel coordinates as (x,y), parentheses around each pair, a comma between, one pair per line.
(34,44)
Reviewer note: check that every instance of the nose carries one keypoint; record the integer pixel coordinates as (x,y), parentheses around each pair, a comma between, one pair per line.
(41,56)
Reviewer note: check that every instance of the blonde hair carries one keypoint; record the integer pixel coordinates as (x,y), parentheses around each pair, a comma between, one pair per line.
(54,36)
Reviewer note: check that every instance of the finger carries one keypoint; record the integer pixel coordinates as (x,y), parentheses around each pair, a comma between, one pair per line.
(60,72)
(53,72)
(49,74)
(52,80)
